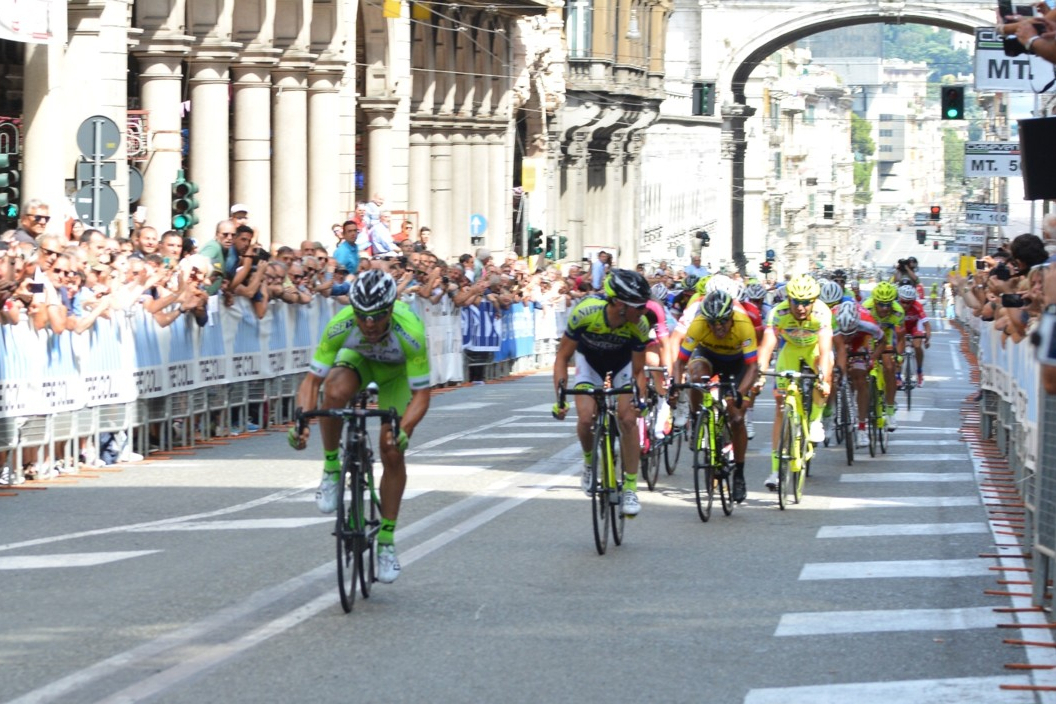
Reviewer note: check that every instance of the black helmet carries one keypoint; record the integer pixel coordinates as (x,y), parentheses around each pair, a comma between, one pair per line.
(627,286)
(374,290)
(717,305)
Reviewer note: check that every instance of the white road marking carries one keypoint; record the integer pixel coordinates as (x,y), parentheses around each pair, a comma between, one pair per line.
(893,569)
(908,476)
(923,430)
(488,437)
(966,690)
(914,451)
(475,452)
(242,524)
(853,502)
(900,529)
(73,559)
(468,406)
(914,416)
(882,621)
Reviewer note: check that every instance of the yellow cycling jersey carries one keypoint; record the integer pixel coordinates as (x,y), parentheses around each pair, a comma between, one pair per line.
(739,343)
(801,333)
(895,319)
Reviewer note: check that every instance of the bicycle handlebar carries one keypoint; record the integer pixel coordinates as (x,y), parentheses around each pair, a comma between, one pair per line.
(791,374)
(595,391)
(729,385)
(390,416)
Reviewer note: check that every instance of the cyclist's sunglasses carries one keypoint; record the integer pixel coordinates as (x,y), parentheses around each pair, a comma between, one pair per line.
(374,316)
(720,321)
(632,305)
(800,301)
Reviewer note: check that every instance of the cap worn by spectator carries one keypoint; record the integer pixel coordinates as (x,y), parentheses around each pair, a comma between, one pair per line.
(483,253)
(239,209)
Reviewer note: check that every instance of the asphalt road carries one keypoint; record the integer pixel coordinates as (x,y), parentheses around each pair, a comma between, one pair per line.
(209,577)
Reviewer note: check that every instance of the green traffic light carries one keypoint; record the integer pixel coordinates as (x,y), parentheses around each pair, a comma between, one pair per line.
(952,114)
(180,222)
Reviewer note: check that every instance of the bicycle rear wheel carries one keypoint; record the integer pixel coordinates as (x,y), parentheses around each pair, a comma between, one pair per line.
(673,448)
(599,498)
(615,484)
(909,378)
(366,516)
(345,531)
(703,467)
(874,421)
(724,476)
(838,419)
(786,448)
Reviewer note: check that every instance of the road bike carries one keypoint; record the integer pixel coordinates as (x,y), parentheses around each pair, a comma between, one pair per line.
(877,419)
(652,448)
(794,449)
(909,371)
(359,510)
(606,465)
(844,420)
(712,445)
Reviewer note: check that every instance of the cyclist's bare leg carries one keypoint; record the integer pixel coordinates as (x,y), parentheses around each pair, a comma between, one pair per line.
(858,381)
(889,379)
(585,410)
(394,479)
(918,350)
(627,418)
(342,385)
(738,433)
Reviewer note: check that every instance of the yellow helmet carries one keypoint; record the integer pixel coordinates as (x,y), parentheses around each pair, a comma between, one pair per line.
(803,287)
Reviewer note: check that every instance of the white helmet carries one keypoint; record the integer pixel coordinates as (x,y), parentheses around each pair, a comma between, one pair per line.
(847,317)
(907,293)
(721,282)
(659,292)
(831,292)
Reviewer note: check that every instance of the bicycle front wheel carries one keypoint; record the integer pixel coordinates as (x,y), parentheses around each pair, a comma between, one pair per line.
(365,515)
(909,378)
(599,498)
(786,450)
(874,419)
(724,475)
(345,532)
(703,468)
(847,421)
(650,457)
(615,484)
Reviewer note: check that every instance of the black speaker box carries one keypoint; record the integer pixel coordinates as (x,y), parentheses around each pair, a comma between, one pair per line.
(1037,146)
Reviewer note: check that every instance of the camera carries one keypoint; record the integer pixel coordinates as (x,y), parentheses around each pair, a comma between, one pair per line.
(980,264)
(1001,272)
(445,280)
(902,265)
(1013,47)
(36,288)
(262,255)
(1012,300)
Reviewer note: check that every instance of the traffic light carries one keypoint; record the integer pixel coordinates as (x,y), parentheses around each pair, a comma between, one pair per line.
(9,193)
(183,203)
(704,98)
(921,235)
(550,243)
(953,102)
(766,267)
(936,212)
(562,246)
(535,240)
(935,244)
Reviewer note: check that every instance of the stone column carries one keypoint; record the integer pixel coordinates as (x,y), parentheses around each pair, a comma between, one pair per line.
(210,147)
(419,191)
(96,73)
(289,148)
(324,161)
(630,211)
(461,188)
(42,162)
(160,90)
(481,180)
(733,147)
(500,196)
(251,149)
(444,242)
(574,196)
(379,112)
(611,214)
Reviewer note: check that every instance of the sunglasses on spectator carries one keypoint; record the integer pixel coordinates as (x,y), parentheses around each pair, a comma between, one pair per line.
(61,272)
(50,252)
(800,301)
(40,218)
(308,271)
(296,277)
(374,316)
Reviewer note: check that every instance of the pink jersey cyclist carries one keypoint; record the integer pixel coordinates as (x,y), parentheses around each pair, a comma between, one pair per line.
(657,317)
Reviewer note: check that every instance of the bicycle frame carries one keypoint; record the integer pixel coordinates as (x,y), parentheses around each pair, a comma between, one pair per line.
(795,449)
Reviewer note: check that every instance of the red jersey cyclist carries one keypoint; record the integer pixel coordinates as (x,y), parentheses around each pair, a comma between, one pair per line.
(856,333)
(917,323)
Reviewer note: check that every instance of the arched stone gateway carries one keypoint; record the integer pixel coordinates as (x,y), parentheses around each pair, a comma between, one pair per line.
(732,58)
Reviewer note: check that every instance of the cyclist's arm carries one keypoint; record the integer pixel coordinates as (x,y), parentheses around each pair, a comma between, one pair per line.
(766,348)
(825,353)
(750,371)
(565,349)
(839,343)
(416,410)
(637,371)
(308,392)
(899,334)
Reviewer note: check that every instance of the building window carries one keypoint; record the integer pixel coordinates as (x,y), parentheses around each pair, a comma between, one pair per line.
(886,117)
(887,133)
(886,148)
(808,115)
(580,29)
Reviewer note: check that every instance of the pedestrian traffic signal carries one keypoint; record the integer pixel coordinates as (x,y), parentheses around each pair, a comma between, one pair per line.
(562,246)
(953,102)
(704,98)
(936,212)
(9,194)
(535,240)
(551,246)
(935,244)
(183,203)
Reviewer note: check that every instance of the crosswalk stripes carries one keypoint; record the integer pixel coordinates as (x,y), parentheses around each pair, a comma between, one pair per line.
(1008,689)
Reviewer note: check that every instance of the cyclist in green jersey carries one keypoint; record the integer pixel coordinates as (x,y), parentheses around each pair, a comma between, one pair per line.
(376,339)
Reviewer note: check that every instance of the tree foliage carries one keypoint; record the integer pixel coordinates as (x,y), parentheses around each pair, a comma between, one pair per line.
(916,42)
(953,150)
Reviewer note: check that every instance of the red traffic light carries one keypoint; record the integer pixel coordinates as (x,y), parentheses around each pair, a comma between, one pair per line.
(936,211)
